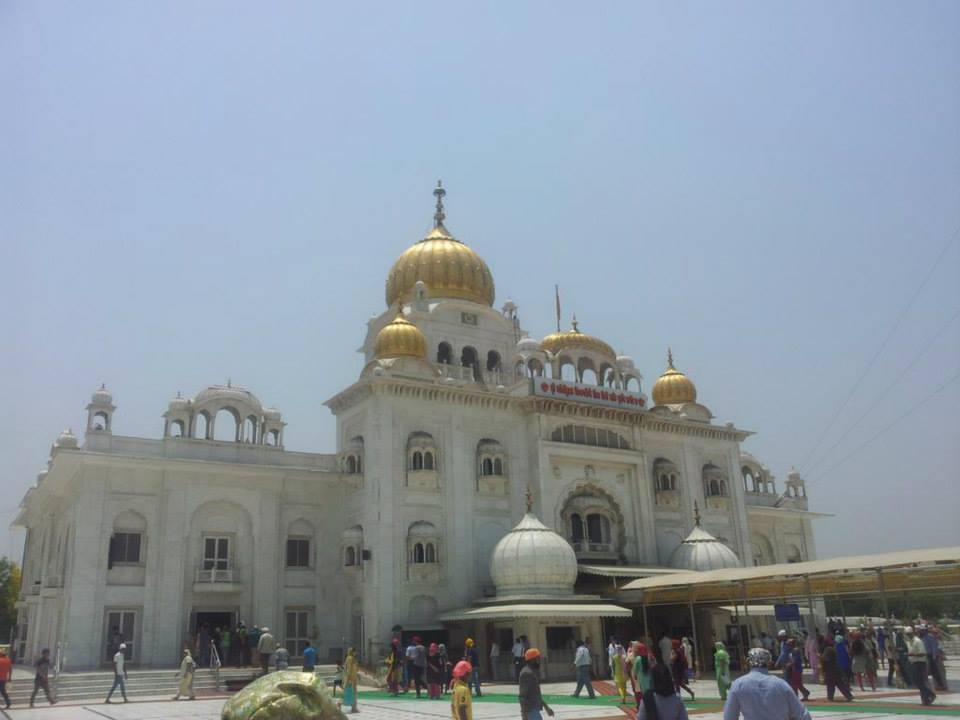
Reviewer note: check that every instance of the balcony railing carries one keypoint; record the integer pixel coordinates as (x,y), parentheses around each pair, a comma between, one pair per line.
(490,378)
(215,575)
(587,546)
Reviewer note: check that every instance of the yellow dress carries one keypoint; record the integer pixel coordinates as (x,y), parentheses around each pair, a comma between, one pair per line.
(187,668)
(461,699)
(620,676)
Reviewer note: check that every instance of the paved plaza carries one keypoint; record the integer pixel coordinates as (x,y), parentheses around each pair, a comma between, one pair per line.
(499,703)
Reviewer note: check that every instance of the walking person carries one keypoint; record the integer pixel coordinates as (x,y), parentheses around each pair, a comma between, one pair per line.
(917,656)
(678,666)
(812,648)
(620,674)
(6,675)
(188,667)
(642,672)
(226,645)
(859,661)
(894,672)
(932,644)
(796,670)
(435,674)
(243,644)
(394,667)
(309,658)
(473,657)
(119,673)
(461,704)
(843,657)
(41,677)
(351,680)
(532,705)
(266,646)
(583,663)
(253,642)
(447,684)
(419,665)
(517,652)
(662,701)
(721,666)
(281,658)
(761,696)
(494,660)
(833,676)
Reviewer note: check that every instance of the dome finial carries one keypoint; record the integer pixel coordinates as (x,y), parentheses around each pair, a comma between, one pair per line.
(670,358)
(696,513)
(573,323)
(439,216)
(529,497)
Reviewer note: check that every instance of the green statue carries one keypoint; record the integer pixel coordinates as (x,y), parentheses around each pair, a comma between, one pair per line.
(284,695)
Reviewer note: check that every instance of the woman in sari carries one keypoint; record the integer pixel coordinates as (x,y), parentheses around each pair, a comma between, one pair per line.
(394,667)
(679,665)
(620,671)
(721,664)
(351,679)
(187,668)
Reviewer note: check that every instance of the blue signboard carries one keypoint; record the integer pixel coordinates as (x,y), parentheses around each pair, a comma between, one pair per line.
(787,612)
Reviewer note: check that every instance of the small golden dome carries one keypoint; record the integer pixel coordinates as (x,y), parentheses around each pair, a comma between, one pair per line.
(446,266)
(556,342)
(673,387)
(400,338)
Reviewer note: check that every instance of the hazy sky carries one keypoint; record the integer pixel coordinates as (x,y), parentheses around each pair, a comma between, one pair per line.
(196,191)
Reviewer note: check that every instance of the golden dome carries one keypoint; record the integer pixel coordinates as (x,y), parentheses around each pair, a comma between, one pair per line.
(400,338)
(673,387)
(447,267)
(556,342)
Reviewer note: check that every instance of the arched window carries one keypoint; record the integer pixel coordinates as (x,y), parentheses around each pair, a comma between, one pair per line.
(176,428)
(493,360)
(417,461)
(101,421)
(568,371)
(431,553)
(423,543)
(250,430)
(428,460)
(444,353)
(576,528)
(226,425)
(273,438)
(598,528)
(359,464)
(535,368)
(201,426)
(350,556)
(723,488)
(498,466)
(470,359)
(419,555)
(351,464)
(486,467)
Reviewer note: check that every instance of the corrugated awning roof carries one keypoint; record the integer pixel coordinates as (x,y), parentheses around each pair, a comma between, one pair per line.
(631,571)
(905,570)
(536,610)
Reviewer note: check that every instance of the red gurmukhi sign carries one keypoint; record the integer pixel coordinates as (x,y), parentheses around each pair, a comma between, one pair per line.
(564,390)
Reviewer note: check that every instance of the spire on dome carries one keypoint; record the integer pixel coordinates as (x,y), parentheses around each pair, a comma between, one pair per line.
(529,497)
(573,323)
(696,513)
(670,358)
(439,216)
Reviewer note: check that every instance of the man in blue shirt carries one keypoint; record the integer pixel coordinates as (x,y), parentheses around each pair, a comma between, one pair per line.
(761,696)
(932,646)
(309,658)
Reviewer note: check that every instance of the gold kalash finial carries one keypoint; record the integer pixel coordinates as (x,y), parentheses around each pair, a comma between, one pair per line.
(439,216)
(670,358)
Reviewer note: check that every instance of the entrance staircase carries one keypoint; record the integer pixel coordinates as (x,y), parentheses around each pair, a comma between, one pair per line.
(81,687)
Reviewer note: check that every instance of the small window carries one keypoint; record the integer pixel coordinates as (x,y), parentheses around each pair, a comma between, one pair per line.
(216,553)
(417,461)
(498,467)
(351,464)
(419,555)
(486,467)
(576,525)
(125,548)
(428,460)
(298,553)
(350,556)
(431,554)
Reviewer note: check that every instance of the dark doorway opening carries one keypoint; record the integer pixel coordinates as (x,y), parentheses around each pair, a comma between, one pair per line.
(213,620)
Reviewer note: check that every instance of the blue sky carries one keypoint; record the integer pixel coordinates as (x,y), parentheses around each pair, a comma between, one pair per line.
(196,191)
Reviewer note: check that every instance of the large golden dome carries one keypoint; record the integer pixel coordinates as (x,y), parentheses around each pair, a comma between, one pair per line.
(400,338)
(555,343)
(447,267)
(673,387)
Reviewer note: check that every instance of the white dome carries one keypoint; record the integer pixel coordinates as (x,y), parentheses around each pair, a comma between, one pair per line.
(179,403)
(702,551)
(66,439)
(533,560)
(625,361)
(528,345)
(271,414)
(102,396)
(228,394)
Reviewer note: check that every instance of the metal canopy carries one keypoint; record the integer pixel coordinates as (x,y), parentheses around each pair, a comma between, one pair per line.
(909,570)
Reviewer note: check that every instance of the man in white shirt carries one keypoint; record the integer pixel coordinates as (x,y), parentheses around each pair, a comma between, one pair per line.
(583,663)
(917,659)
(611,651)
(518,661)
(119,673)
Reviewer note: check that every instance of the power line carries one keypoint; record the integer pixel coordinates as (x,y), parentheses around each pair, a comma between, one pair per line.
(880,397)
(883,346)
(887,428)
